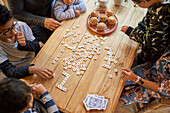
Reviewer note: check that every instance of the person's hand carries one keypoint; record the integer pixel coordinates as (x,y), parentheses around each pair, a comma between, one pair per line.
(77,13)
(51,24)
(38,89)
(41,71)
(124,28)
(41,44)
(20,38)
(128,74)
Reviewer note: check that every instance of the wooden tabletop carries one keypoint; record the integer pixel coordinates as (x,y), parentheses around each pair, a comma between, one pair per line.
(95,79)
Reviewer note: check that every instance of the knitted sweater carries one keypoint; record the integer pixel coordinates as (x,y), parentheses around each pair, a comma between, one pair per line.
(62,11)
(31,11)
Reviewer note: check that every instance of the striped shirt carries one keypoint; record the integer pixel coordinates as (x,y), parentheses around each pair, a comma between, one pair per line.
(48,103)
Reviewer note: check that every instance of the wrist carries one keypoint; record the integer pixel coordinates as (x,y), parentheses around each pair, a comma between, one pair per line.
(31,69)
(137,80)
(45,21)
(129,30)
(43,91)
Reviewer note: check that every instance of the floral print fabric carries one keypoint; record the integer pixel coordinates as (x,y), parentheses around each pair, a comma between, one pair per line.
(158,73)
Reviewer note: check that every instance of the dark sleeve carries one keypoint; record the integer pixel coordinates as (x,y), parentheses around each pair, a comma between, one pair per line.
(137,33)
(11,71)
(30,46)
(17,9)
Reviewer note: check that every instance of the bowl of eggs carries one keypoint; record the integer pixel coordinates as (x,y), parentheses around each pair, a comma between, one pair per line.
(102,22)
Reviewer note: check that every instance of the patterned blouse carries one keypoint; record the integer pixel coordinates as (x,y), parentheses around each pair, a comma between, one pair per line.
(159,73)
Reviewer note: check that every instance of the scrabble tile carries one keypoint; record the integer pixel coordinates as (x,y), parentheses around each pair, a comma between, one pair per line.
(79,33)
(110,76)
(105,38)
(95,58)
(73,28)
(74,31)
(54,74)
(115,70)
(115,62)
(77,26)
(106,59)
(53,62)
(102,43)
(98,53)
(56,59)
(62,51)
(58,56)
(65,68)
(62,42)
(78,73)
(86,37)
(85,43)
(64,36)
(68,30)
(101,38)
(113,54)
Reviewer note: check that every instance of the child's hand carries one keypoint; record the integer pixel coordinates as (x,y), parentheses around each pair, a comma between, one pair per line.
(124,28)
(38,89)
(41,44)
(128,74)
(20,39)
(77,13)
(43,72)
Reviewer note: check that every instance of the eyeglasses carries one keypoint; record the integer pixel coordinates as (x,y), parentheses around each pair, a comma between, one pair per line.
(10,29)
(135,5)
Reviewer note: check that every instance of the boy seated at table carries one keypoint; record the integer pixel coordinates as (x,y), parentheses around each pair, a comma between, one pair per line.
(17,97)
(152,32)
(66,9)
(17,47)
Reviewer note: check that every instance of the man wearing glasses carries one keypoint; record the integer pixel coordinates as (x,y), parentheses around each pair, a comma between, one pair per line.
(17,47)
(153,32)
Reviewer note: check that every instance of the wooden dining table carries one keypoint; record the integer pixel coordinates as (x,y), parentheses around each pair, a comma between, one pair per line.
(95,79)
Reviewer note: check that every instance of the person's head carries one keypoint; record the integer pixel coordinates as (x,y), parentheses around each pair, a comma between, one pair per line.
(15,96)
(146,3)
(7,24)
(69,2)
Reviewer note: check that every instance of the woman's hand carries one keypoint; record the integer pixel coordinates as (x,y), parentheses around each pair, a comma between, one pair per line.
(51,24)
(124,28)
(41,71)
(38,89)
(128,74)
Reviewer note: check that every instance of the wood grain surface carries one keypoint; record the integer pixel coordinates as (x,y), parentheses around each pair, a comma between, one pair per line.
(95,80)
